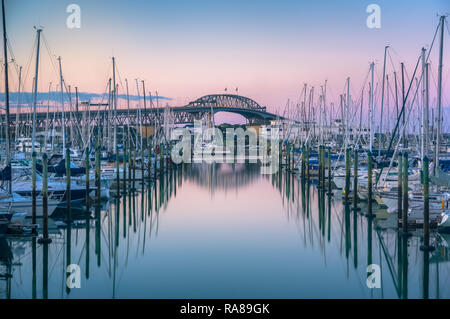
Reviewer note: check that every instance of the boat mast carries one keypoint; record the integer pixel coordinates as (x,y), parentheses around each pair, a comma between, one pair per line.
(115,104)
(48,111)
(62,112)
(5,53)
(347,107)
(33,135)
(405,143)
(388,132)
(139,115)
(18,104)
(438,133)
(382,100)
(427,114)
(128,106)
(371,107)
(422,124)
(145,114)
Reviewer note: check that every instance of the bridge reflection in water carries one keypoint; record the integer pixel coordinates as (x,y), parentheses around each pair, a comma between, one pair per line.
(218,230)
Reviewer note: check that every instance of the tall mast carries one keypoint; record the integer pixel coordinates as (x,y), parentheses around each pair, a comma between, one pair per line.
(438,133)
(63,125)
(382,99)
(396,93)
(371,107)
(128,105)
(320,140)
(304,113)
(405,143)
(388,108)
(426,113)
(18,103)
(139,114)
(347,109)
(115,104)
(33,136)
(70,117)
(145,107)
(5,53)
(422,124)
(48,111)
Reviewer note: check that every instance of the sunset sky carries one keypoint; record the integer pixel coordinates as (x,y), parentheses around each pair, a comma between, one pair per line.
(187,49)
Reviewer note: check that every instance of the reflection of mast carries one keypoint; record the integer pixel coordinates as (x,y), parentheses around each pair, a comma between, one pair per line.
(389,262)
(6,259)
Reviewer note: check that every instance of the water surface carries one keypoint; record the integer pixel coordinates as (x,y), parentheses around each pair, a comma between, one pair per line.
(224,231)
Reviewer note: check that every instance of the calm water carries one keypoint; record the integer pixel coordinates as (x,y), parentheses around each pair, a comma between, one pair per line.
(222,231)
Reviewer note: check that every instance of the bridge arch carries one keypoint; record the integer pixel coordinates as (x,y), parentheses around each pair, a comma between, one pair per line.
(227,101)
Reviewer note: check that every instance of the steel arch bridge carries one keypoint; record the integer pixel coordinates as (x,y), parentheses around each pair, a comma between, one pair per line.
(97,114)
(226,100)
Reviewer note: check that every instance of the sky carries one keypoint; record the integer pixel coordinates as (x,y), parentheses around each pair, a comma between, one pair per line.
(187,49)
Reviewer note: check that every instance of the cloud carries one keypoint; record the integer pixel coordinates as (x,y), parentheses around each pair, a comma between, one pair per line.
(55,97)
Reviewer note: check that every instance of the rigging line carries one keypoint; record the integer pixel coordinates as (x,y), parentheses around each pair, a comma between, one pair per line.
(120,79)
(396,55)
(448,30)
(27,69)
(433,78)
(77,125)
(11,53)
(358,102)
(47,46)
(392,62)
(403,129)
(432,42)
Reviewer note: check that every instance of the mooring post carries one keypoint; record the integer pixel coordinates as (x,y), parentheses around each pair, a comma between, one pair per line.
(287,150)
(319,158)
(303,161)
(155,164)
(130,167)
(117,172)
(405,193)
(426,206)
(142,163)
(68,197)
(323,166)
(307,162)
(149,163)
(134,171)
(293,157)
(33,186)
(45,238)
(369,183)
(97,173)
(329,171)
(169,157)
(124,166)
(161,160)
(87,164)
(347,175)
(399,188)
(280,154)
(355,179)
